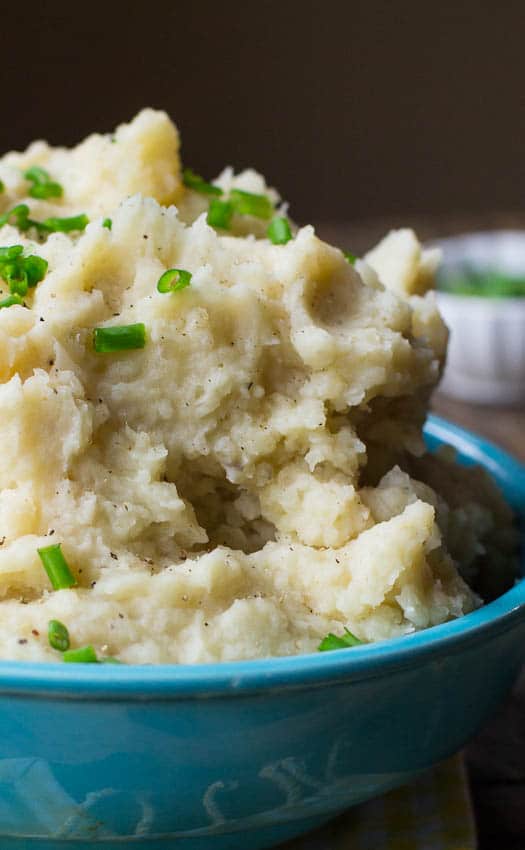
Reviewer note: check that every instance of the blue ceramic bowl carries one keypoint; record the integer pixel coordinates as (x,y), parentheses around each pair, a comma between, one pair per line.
(248,754)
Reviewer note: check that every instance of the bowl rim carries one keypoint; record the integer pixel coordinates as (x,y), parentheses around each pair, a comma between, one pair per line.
(223,679)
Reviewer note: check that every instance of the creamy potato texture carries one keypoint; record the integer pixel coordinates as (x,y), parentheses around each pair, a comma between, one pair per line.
(251,479)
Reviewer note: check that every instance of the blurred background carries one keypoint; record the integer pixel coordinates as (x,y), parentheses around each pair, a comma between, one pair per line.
(356,110)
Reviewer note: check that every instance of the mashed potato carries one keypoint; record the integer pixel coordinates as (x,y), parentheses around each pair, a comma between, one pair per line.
(248,481)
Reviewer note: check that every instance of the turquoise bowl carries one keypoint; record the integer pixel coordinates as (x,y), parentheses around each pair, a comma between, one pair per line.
(248,754)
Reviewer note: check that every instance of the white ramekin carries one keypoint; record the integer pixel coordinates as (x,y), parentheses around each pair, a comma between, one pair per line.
(486,354)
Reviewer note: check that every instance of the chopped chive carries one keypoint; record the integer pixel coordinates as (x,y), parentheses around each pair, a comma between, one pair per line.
(58,635)
(20,214)
(43,186)
(83,655)
(15,276)
(35,269)
(2,186)
(37,174)
(107,223)
(174,280)
(21,273)
(199,184)
(220,214)
(56,567)
(19,218)
(11,252)
(279,231)
(119,338)
(246,203)
(349,257)
(332,641)
(10,301)
(63,225)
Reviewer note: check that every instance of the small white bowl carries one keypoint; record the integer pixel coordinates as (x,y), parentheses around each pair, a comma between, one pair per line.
(486,353)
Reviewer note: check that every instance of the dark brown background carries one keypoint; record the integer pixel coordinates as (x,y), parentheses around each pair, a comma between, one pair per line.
(354,109)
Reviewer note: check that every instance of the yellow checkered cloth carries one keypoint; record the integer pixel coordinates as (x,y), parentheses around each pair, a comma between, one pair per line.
(434,813)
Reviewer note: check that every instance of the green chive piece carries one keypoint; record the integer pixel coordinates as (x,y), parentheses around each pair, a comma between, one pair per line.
(56,567)
(18,217)
(246,203)
(11,300)
(35,269)
(199,184)
(2,186)
(107,223)
(21,273)
(332,641)
(58,635)
(11,252)
(119,338)
(220,214)
(174,280)
(16,277)
(83,655)
(20,213)
(351,258)
(43,186)
(279,231)
(63,225)
(37,174)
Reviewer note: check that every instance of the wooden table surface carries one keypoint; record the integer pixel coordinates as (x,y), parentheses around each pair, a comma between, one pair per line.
(496,758)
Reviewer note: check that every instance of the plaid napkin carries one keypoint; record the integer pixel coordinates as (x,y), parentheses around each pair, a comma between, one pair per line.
(434,813)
